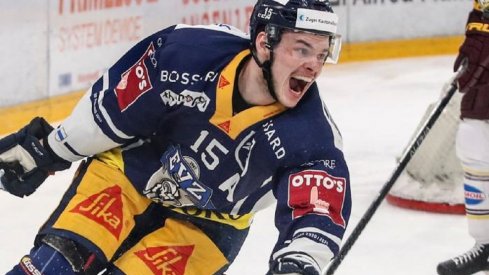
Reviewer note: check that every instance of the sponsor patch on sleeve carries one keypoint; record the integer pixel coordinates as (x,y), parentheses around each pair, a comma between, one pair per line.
(317,192)
(135,81)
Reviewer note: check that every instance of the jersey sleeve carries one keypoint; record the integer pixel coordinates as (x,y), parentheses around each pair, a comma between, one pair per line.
(313,208)
(121,106)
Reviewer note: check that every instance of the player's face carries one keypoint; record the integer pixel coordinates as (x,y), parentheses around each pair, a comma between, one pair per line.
(298,61)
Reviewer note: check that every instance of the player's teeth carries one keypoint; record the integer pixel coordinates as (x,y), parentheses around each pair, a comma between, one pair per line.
(303,78)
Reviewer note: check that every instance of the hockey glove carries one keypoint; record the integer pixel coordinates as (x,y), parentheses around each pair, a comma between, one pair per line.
(476,50)
(294,263)
(24,162)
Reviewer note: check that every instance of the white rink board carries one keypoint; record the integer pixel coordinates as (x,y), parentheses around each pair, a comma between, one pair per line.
(23,51)
(94,38)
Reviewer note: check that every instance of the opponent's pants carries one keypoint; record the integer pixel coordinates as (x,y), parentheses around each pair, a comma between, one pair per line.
(472,148)
(107,218)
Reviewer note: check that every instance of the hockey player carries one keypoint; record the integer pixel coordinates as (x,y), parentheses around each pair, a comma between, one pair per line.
(183,139)
(472,142)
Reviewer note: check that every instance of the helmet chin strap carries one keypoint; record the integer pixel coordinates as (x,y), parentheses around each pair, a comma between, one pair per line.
(266,68)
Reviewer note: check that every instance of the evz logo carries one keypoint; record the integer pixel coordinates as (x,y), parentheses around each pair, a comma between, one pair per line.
(177,182)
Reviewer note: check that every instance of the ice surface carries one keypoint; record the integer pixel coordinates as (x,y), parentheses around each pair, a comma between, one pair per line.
(377,106)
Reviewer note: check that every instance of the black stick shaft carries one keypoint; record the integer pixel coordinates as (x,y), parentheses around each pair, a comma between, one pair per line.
(413,147)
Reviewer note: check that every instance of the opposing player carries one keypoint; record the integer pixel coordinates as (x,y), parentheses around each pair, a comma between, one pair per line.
(472,143)
(189,134)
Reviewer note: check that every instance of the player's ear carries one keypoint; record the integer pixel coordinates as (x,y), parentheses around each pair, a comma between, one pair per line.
(262,48)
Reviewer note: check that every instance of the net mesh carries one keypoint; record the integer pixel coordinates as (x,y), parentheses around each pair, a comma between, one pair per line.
(432,180)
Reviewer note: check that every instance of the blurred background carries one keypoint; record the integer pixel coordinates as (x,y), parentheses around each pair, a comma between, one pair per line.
(52,50)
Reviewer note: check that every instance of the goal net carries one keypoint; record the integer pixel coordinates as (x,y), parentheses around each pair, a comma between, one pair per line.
(432,180)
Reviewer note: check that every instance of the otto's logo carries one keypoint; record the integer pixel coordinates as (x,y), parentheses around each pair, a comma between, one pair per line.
(166,260)
(315,191)
(318,178)
(135,81)
(105,208)
(473,195)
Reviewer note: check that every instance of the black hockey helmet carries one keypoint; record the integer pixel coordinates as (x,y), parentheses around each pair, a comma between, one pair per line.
(314,16)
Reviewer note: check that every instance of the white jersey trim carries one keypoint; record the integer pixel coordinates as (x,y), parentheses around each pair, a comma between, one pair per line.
(79,135)
(105,114)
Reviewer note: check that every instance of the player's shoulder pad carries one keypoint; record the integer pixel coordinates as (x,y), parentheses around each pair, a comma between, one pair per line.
(313,124)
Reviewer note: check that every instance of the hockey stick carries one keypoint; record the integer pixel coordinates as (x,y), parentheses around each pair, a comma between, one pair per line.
(449,91)
(2,172)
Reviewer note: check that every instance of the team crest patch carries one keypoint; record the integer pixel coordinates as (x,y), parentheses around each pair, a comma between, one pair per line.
(177,182)
(60,134)
(104,208)
(135,81)
(317,192)
(165,260)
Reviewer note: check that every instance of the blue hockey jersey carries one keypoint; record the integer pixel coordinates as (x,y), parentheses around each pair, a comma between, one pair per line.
(167,108)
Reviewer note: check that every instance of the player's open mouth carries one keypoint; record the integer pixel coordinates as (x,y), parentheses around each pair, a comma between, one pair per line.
(298,83)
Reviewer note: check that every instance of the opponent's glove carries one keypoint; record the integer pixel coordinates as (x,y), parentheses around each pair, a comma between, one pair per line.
(476,50)
(294,263)
(24,162)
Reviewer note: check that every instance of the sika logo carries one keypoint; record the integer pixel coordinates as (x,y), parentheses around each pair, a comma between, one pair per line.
(166,260)
(104,208)
(315,191)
